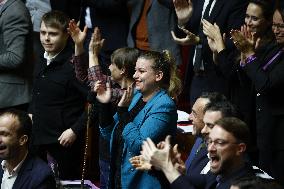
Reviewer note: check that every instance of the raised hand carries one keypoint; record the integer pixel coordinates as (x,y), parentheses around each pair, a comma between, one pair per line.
(77,36)
(183,10)
(103,93)
(126,97)
(190,39)
(96,42)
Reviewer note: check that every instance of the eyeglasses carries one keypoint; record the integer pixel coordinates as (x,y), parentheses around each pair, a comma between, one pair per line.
(218,143)
(278,26)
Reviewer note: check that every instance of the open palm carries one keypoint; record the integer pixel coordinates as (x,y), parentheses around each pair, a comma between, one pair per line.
(76,34)
(103,93)
(96,43)
(183,10)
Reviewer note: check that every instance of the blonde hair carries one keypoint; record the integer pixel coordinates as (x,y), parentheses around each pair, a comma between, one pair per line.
(165,63)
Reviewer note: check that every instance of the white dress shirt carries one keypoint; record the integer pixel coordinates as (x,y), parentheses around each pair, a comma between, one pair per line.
(206,2)
(9,179)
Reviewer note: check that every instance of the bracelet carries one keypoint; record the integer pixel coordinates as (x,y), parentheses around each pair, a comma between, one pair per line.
(248,60)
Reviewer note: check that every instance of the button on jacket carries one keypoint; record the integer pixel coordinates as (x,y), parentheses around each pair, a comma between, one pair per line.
(58,99)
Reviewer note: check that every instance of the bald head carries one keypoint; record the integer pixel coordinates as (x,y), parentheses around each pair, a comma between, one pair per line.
(197,114)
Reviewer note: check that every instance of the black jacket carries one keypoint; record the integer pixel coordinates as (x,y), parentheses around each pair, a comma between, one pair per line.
(208,181)
(111,17)
(58,100)
(268,84)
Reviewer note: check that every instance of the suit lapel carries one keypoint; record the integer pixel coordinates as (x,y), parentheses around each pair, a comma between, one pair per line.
(216,9)
(1,171)
(40,66)
(211,182)
(199,7)
(202,154)
(150,103)
(23,175)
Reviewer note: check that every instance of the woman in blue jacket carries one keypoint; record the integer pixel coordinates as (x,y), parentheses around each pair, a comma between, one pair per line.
(147,111)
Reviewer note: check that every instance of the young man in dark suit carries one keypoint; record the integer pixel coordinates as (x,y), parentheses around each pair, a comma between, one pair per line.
(58,99)
(20,169)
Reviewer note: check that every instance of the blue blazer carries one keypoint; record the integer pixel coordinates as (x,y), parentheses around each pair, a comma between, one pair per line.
(156,120)
(199,161)
(34,174)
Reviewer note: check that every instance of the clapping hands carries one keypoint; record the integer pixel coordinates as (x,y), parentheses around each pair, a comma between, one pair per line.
(158,157)
(214,36)
(245,40)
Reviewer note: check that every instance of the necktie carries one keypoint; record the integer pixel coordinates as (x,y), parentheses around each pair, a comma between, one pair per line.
(198,48)
(198,57)
(207,10)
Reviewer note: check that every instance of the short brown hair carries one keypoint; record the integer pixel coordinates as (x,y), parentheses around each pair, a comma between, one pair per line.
(56,19)
(236,127)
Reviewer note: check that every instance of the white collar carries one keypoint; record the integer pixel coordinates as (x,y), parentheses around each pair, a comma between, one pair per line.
(48,58)
(16,169)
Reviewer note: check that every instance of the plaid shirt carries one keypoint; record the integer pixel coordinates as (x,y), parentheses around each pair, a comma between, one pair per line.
(95,74)
(92,75)
(81,65)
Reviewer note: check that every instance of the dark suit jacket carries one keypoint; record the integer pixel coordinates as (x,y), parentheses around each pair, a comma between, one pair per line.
(112,18)
(58,99)
(161,19)
(16,64)
(208,181)
(198,163)
(269,98)
(70,7)
(241,90)
(228,15)
(34,174)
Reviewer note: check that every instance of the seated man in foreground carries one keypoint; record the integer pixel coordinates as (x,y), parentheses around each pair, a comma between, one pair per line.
(19,168)
(226,145)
